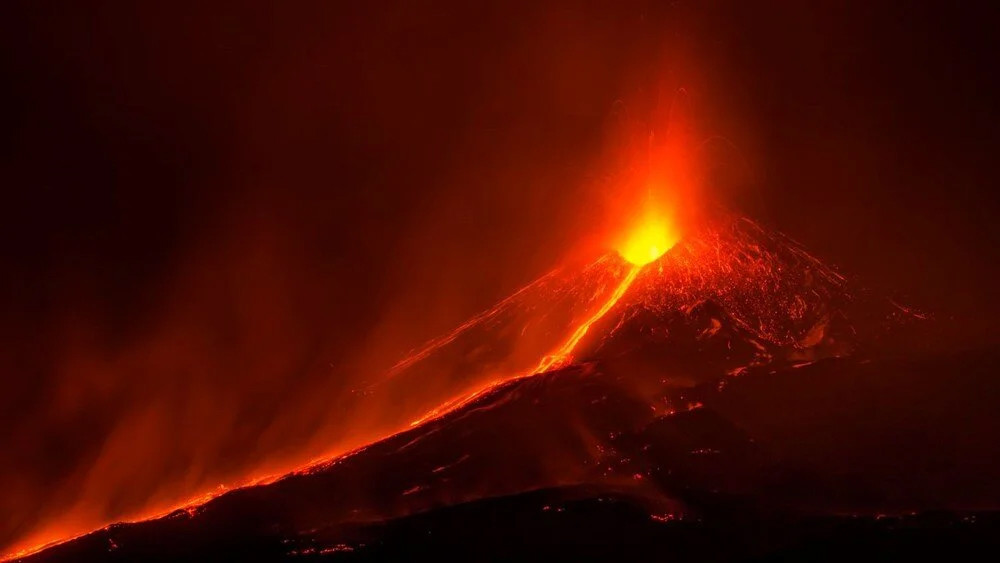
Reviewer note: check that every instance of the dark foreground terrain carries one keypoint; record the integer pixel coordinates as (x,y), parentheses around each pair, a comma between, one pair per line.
(837,459)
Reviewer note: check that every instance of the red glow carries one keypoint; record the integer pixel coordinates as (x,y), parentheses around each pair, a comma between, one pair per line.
(537,329)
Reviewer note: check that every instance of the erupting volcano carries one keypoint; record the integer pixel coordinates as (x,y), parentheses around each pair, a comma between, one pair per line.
(678,374)
(640,280)
(656,371)
(644,379)
(682,382)
(633,377)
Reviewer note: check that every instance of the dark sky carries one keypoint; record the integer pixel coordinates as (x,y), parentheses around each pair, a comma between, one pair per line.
(259,187)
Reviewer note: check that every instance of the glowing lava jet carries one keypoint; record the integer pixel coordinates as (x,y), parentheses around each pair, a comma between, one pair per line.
(651,237)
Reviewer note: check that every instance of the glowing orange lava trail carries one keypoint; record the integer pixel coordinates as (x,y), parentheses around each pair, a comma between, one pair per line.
(563,355)
(555,360)
(559,358)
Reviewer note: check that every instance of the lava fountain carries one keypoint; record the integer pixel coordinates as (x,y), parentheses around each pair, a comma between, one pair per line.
(651,237)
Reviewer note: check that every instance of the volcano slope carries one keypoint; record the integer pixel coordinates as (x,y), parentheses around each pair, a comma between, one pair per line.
(737,400)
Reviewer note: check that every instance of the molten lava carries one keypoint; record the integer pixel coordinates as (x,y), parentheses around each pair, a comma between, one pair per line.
(563,355)
(652,236)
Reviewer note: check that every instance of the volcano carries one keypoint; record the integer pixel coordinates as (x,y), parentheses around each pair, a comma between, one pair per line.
(722,396)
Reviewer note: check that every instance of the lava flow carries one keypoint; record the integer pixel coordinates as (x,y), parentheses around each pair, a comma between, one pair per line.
(563,355)
(646,242)
(562,306)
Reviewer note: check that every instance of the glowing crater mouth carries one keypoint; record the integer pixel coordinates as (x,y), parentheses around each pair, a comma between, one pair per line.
(651,238)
